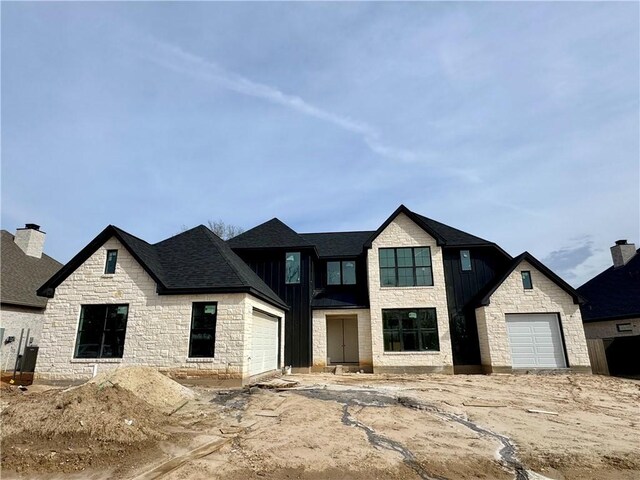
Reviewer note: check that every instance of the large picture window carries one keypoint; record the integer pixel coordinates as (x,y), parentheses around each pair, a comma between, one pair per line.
(410,330)
(102,331)
(202,340)
(405,267)
(341,273)
(292,267)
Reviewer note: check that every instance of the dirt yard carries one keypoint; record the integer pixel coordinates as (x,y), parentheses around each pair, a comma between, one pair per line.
(354,426)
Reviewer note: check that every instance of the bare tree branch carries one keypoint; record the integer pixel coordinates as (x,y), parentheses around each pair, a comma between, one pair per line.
(224,230)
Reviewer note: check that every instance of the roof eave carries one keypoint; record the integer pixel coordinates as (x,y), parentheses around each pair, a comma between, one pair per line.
(48,288)
(577,298)
(414,218)
(205,290)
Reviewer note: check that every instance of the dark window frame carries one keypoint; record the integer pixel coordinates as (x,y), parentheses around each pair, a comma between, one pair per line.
(400,331)
(287,280)
(413,266)
(341,263)
(110,264)
(464,266)
(527,280)
(203,330)
(113,333)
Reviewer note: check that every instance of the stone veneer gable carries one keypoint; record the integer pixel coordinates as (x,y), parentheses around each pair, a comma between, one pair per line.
(403,232)
(545,297)
(158,326)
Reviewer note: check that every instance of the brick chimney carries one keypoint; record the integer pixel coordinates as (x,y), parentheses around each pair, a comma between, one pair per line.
(622,252)
(30,239)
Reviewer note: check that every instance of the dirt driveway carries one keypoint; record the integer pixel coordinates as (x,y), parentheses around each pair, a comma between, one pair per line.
(397,427)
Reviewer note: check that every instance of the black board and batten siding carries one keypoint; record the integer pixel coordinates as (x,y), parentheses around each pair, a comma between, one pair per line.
(463,288)
(269,265)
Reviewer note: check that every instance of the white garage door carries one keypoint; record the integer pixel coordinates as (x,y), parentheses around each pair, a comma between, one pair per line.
(536,341)
(264,343)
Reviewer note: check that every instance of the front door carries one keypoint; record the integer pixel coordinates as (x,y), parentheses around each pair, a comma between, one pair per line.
(342,340)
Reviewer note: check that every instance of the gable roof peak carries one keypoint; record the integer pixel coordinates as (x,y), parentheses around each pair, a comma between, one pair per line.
(490,289)
(442,233)
(273,233)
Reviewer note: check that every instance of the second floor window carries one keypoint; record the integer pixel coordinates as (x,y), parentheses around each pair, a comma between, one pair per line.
(292,267)
(341,273)
(110,265)
(405,267)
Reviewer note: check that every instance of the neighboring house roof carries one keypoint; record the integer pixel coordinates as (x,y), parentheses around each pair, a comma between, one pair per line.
(613,294)
(485,296)
(338,244)
(271,234)
(22,274)
(192,262)
(444,235)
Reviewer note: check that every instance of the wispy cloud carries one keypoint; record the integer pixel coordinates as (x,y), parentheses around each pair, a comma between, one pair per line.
(179,60)
(566,260)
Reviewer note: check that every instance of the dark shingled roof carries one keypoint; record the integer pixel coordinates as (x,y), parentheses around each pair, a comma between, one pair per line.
(22,275)
(452,236)
(195,261)
(336,299)
(444,235)
(484,297)
(271,234)
(338,244)
(613,294)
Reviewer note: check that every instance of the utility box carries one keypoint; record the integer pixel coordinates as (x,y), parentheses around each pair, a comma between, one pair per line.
(29,357)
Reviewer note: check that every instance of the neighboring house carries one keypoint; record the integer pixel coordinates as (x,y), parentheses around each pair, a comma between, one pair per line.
(187,305)
(413,296)
(611,313)
(24,268)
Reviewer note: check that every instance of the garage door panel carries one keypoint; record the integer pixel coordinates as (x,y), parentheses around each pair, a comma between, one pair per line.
(536,341)
(264,343)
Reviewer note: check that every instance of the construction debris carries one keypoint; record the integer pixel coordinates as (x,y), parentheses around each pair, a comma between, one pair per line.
(276,384)
(533,410)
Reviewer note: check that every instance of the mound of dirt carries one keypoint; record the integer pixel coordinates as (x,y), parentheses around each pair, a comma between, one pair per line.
(147,384)
(90,425)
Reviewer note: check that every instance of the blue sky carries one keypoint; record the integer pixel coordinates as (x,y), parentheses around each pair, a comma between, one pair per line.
(517,122)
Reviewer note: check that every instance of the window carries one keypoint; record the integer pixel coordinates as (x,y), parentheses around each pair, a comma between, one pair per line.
(410,330)
(405,267)
(202,339)
(526,280)
(102,331)
(341,273)
(112,258)
(292,267)
(465,260)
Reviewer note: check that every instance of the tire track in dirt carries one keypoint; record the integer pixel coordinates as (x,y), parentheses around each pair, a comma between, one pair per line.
(371,398)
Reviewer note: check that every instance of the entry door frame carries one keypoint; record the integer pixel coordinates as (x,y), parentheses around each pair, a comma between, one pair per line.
(345,321)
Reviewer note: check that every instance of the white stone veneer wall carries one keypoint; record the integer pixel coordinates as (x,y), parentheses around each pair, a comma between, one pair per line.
(158,326)
(545,297)
(319,349)
(403,232)
(13,320)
